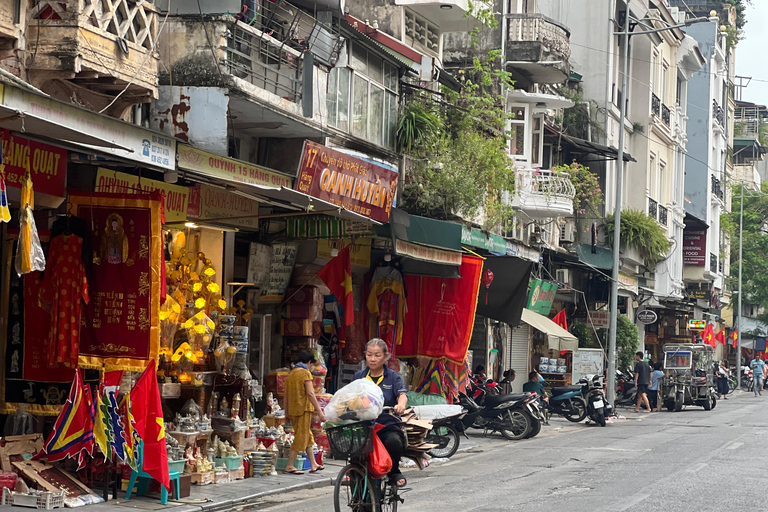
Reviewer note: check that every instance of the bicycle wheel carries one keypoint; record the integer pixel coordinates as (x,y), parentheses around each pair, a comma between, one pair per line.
(353,491)
(447,440)
(389,499)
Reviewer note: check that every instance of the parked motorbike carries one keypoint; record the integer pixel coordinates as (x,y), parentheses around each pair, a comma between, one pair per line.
(515,415)
(597,407)
(567,402)
(445,434)
(626,391)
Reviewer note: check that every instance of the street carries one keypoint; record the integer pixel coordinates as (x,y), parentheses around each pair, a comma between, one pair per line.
(691,460)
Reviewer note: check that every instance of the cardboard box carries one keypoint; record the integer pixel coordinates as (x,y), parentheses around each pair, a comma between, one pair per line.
(202,478)
(237,474)
(295,327)
(276,381)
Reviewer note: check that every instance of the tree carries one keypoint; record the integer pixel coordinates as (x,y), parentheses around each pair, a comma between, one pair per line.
(626,342)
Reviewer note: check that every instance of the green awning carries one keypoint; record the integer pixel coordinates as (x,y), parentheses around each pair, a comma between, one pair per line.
(421,230)
(323,226)
(602,258)
(489,242)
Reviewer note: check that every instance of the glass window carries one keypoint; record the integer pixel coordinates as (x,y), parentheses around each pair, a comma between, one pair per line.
(332,97)
(360,107)
(358,58)
(391,125)
(343,81)
(375,68)
(660,194)
(376,117)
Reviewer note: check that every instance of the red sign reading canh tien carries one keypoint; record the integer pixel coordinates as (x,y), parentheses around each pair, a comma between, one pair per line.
(695,247)
(48,164)
(359,186)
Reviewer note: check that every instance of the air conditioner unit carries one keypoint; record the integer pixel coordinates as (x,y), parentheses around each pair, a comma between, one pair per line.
(567,232)
(564,276)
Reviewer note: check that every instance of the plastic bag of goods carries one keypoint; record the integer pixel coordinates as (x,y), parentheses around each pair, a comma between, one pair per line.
(359,400)
(436,412)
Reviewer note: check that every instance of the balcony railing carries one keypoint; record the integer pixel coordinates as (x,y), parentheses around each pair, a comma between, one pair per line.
(717,188)
(717,113)
(663,215)
(665,117)
(713,262)
(537,27)
(655,105)
(543,194)
(652,208)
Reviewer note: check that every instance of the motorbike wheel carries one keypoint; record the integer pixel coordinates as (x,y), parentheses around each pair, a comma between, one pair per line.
(732,384)
(679,401)
(517,424)
(581,410)
(714,401)
(599,416)
(746,385)
(535,427)
(670,405)
(444,435)
(707,404)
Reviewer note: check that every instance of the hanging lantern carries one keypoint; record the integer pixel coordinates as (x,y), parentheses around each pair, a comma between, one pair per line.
(487,280)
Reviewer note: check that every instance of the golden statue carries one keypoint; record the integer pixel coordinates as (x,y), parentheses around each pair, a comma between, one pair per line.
(114,243)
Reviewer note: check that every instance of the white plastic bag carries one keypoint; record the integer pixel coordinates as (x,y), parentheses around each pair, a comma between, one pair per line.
(359,400)
(31,258)
(436,412)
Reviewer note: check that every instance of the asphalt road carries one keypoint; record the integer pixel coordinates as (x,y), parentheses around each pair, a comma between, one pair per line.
(691,460)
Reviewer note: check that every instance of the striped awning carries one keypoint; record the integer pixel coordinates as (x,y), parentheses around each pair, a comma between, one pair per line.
(323,226)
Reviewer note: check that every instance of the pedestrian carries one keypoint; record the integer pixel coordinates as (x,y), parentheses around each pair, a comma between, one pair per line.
(765,374)
(508,378)
(722,381)
(757,366)
(300,405)
(653,390)
(534,385)
(642,381)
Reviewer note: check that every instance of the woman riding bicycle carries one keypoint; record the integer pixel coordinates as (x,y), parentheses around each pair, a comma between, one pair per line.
(376,356)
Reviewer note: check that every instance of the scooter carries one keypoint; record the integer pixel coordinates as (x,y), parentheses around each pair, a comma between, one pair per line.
(592,392)
(445,434)
(514,415)
(626,392)
(568,402)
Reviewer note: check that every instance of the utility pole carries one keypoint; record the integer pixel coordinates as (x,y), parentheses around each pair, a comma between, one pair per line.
(738,307)
(614,304)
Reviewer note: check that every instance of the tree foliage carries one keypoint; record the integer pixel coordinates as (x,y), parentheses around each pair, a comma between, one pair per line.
(640,231)
(626,342)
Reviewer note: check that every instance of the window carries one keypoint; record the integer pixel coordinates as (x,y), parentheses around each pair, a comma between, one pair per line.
(663,84)
(651,175)
(655,72)
(419,33)
(660,190)
(517,131)
(536,139)
(366,94)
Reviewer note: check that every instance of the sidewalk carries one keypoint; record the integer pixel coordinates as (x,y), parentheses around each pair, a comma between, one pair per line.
(236,495)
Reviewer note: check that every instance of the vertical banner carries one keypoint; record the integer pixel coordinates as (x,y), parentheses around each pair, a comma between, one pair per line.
(280,270)
(121,322)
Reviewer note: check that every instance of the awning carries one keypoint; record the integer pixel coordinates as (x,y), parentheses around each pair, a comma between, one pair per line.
(505,298)
(593,148)
(602,258)
(422,238)
(559,338)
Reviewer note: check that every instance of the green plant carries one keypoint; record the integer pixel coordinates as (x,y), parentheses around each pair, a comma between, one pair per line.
(643,233)
(638,127)
(418,125)
(626,342)
(577,120)
(589,196)
(583,332)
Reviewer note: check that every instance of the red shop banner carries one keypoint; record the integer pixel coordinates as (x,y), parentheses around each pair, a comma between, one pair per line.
(47,163)
(121,325)
(355,184)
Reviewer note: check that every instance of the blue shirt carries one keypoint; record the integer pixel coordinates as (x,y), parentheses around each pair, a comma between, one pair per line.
(757,367)
(391,386)
(655,376)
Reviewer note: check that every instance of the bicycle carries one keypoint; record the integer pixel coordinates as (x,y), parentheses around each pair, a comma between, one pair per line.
(355,490)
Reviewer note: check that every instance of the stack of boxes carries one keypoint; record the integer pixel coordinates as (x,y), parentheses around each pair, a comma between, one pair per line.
(303,321)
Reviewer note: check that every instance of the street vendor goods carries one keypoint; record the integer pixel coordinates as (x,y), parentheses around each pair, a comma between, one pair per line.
(358,401)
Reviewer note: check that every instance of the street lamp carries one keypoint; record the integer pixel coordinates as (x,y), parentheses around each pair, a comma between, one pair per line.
(625,35)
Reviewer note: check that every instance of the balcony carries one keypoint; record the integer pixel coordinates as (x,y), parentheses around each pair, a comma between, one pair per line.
(717,188)
(10,26)
(655,105)
(449,15)
(663,215)
(543,194)
(665,115)
(538,48)
(718,114)
(653,207)
(713,263)
(93,50)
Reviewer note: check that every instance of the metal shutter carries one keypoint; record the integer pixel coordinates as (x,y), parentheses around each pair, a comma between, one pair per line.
(519,355)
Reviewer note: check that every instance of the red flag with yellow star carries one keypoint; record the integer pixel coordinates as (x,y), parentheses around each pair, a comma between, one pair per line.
(337,276)
(148,415)
(720,336)
(735,337)
(709,335)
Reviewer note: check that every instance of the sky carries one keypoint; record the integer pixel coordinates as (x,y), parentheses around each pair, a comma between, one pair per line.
(750,53)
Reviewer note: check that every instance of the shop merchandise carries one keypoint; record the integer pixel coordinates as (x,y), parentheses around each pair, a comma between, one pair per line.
(357,401)
(29,252)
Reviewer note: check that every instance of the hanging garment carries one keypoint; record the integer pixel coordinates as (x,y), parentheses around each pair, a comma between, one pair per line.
(5,212)
(386,302)
(65,284)
(77,226)
(29,252)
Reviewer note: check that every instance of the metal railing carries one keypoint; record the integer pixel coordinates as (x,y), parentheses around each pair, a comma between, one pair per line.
(717,188)
(655,105)
(663,215)
(717,113)
(537,27)
(652,208)
(713,262)
(665,117)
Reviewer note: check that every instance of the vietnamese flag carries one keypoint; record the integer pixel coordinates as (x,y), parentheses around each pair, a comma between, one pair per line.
(560,319)
(709,335)
(720,336)
(148,414)
(735,336)
(337,276)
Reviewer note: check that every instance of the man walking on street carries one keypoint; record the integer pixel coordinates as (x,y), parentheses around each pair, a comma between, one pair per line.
(757,366)
(642,381)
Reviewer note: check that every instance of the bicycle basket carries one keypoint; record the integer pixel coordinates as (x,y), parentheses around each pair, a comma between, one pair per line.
(350,440)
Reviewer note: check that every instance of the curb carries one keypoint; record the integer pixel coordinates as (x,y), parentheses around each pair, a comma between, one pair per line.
(252,498)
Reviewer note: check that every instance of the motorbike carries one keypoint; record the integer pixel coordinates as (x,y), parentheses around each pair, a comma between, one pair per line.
(626,391)
(597,407)
(567,402)
(445,434)
(515,415)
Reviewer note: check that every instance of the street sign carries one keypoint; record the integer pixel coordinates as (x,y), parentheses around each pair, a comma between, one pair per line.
(697,325)
(647,316)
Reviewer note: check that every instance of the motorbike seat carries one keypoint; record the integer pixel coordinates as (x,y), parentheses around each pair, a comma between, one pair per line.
(565,389)
(494,400)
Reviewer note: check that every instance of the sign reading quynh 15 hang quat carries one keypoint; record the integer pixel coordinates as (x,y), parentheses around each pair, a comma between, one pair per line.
(352,183)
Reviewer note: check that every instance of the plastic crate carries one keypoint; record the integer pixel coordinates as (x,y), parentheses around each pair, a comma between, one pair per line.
(35,499)
(350,440)
(229,462)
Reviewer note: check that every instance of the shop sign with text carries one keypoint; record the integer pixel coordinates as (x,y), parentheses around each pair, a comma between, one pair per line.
(175,197)
(347,181)
(695,247)
(48,164)
(143,146)
(211,203)
(424,253)
(359,253)
(280,270)
(541,296)
(600,319)
(477,238)
(627,282)
(230,169)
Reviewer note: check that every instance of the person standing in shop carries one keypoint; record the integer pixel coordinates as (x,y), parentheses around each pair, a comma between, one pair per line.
(300,405)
